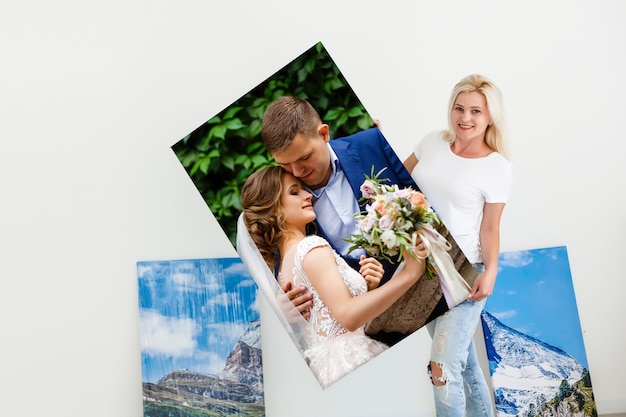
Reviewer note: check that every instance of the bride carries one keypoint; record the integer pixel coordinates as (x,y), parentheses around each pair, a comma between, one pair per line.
(276,211)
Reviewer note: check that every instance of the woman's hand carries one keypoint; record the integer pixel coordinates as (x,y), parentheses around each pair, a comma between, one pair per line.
(421,253)
(421,250)
(372,271)
(483,286)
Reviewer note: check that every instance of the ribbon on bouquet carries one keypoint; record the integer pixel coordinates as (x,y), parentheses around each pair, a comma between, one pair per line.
(455,288)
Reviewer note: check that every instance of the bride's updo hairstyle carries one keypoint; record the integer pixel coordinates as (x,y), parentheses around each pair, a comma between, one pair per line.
(262,213)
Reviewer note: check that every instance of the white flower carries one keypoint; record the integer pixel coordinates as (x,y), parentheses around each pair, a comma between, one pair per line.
(368,222)
(388,237)
(403,193)
(371,208)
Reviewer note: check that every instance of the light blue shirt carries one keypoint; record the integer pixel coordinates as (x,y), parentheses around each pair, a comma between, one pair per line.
(335,207)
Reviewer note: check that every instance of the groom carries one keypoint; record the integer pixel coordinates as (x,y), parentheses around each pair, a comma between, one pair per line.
(333,171)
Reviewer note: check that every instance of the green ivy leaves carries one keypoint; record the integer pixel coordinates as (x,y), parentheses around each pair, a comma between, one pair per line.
(221,153)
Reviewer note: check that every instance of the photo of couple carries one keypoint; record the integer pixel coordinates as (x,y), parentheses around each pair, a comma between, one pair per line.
(290,202)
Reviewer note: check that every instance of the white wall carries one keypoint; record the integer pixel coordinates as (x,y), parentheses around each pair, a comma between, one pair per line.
(92,95)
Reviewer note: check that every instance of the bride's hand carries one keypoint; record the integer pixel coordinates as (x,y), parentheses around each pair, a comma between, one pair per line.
(420,249)
(417,259)
(372,271)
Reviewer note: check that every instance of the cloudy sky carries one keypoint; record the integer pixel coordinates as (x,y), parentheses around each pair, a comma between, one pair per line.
(192,312)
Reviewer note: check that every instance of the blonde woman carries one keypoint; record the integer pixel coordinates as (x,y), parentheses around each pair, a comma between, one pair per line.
(465,173)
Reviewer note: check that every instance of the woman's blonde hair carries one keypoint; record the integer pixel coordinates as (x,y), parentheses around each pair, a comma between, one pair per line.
(260,198)
(495,136)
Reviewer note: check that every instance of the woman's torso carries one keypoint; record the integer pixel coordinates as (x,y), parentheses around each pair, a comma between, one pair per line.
(324,323)
(458,188)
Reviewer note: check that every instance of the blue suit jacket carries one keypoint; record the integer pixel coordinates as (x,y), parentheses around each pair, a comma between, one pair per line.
(357,154)
(360,152)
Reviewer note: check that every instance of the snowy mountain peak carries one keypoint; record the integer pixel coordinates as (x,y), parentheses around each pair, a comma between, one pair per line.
(526,372)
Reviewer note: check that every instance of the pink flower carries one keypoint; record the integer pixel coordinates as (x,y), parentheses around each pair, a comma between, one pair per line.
(367,223)
(385,222)
(368,189)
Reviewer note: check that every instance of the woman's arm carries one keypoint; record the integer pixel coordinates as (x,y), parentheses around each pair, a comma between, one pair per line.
(410,163)
(353,312)
(490,249)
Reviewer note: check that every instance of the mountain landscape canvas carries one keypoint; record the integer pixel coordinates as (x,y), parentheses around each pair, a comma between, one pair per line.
(535,348)
(200,339)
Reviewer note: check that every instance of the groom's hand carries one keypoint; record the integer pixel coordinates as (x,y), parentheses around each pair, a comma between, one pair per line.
(301,299)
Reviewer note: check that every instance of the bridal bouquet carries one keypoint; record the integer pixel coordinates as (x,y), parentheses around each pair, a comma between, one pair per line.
(391,217)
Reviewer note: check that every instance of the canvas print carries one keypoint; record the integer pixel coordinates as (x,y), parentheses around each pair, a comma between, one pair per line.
(200,339)
(534,342)
(227,149)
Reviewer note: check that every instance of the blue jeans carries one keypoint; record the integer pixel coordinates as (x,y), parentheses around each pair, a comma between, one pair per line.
(464,387)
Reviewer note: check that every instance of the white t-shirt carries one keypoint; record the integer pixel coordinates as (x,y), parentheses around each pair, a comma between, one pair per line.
(457,188)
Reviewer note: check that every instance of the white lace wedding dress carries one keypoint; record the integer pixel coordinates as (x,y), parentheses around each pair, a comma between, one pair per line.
(332,350)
